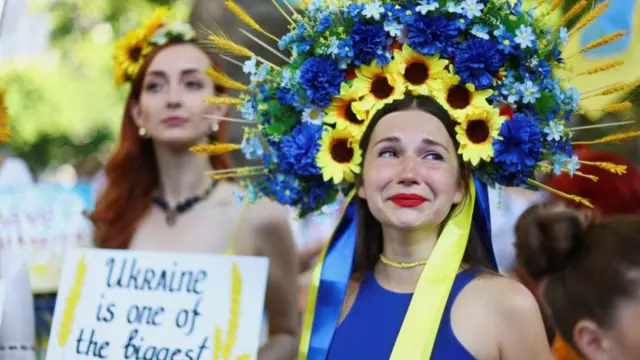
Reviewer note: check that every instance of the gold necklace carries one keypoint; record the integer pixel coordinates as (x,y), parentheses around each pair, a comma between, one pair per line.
(401,265)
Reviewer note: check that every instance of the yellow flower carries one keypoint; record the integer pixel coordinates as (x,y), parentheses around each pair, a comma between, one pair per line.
(420,73)
(157,20)
(129,55)
(377,87)
(476,133)
(342,112)
(5,133)
(461,99)
(339,156)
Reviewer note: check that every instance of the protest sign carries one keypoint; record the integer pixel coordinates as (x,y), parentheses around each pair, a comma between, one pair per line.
(119,304)
(41,222)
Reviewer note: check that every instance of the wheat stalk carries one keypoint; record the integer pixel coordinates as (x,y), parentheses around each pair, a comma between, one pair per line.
(229,46)
(611,167)
(615,107)
(607,39)
(590,17)
(575,10)
(612,89)
(575,198)
(614,138)
(234,319)
(245,18)
(603,67)
(224,100)
(215,149)
(224,80)
(66,326)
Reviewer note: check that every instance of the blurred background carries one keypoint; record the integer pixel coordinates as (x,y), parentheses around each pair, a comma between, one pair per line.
(55,59)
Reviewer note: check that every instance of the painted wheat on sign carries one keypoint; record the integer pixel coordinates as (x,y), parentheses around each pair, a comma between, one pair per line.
(71,303)
(223,348)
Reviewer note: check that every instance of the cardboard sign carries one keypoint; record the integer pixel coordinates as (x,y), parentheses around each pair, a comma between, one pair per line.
(2,295)
(115,304)
(41,222)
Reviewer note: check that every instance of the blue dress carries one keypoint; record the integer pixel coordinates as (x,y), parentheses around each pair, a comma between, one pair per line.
(371,327)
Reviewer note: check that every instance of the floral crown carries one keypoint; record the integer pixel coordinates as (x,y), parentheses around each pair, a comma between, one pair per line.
(498,69)
(5,133)
(130,50)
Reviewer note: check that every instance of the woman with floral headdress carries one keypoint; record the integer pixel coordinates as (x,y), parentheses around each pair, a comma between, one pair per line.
(410,108)
(157,196)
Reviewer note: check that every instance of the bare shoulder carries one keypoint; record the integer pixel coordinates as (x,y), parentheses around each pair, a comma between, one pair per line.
(505,313)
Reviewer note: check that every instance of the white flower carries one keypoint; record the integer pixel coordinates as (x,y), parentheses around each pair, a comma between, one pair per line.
(480,31)
(471,8)
(313,115)
(563,36)
(426,5)
(249,66)
(373,10)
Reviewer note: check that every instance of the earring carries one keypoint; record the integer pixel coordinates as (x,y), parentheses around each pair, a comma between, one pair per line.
(142,132)
(215,127)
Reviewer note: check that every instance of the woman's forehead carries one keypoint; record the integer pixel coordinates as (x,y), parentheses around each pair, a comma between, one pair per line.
(408,125)
(177,58)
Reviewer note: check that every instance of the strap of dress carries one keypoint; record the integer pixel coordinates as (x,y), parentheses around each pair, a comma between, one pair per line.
(238,228)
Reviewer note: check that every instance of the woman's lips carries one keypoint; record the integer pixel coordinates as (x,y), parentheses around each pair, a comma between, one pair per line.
(174,121)
(408,200)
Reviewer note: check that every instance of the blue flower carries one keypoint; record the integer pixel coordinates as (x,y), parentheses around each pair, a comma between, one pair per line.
(563,36)
(477,62)
(318,193)
(354,10)
(424,6)
(394,28)
(480,31)
(324,24)
(554,131)
(332,49)
(298,150)
(285,189)
(248,109)
(471,8)
(286,96)
(530,91)
(559,160)
(506,43)
(525,37)
(518,150)
(370,42)
(252,148)
(320,77)
(432,35)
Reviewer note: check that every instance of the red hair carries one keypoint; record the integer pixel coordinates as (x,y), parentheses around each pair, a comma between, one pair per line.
(612,194)
(132,174)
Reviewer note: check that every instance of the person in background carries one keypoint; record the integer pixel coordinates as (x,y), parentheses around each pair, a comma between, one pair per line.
(613,194)
(588,270)
(158,196)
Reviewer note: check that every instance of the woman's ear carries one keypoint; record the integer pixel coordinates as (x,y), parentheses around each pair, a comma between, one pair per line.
(461,189)
(590,340)
(136,113)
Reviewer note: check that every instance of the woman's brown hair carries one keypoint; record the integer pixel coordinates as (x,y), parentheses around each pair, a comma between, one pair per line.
(586,267)
(369,232)
(132,173)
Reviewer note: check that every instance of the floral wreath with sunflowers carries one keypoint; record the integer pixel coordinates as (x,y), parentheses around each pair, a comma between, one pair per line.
(130,50)
(497,68)
(5,133)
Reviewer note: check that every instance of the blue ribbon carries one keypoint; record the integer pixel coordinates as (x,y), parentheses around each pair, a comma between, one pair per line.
(482,221)
(336,272)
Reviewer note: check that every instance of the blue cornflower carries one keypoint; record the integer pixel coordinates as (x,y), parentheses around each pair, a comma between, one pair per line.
(517,149)
(318,193)
(298,150)
(530,91)
(302,46)
(477,62)
(471,8)
(370,42)
(354,10)
(252,148)
(557,53)
(525,37)
(373,10)
(424,6)
(432,35)
(287,96)
(480,31)
(320,77)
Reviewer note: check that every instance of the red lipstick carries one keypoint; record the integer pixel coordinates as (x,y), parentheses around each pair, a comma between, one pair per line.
(408,200)
(174,121)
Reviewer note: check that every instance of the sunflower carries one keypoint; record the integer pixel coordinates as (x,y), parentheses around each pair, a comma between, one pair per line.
(129,55)
(343,114)
(339,156)
(377,87)
(461,99)
(420,73)
(476,133)
(156,21)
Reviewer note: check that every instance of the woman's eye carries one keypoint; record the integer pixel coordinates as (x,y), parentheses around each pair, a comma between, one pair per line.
(433,156)
(152,86)
(387,153)
(195,85)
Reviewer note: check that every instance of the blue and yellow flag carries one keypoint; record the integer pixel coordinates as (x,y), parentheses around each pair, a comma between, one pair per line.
(621,15)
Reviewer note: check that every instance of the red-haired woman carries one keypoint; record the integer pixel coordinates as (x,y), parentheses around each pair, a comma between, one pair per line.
(158,196)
